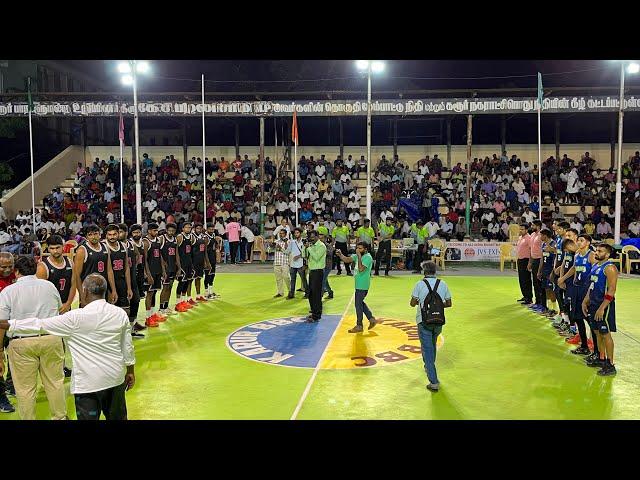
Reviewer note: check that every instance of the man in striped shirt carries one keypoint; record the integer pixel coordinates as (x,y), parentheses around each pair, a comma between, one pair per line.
(281,263)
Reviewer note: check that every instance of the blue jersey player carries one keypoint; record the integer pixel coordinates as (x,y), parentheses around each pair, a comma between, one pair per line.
(599,307)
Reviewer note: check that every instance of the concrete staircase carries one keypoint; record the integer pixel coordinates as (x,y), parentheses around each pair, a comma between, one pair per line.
(65,187)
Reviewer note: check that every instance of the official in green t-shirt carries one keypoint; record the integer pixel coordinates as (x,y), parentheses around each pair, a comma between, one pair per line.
(365,233)
(420,233)
(341,236)
(363,262)
(385,234)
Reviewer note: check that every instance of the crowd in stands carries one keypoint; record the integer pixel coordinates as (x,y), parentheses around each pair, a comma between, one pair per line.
(504,191)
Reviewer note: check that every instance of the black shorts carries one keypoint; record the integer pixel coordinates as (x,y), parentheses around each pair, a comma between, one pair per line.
(186,274)
(608,322)
(579,292)
(169,278)
(156,283)
(198,271)
(121,290)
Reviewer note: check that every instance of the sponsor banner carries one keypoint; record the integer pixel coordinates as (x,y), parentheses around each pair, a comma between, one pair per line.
(473,251)
(433,106)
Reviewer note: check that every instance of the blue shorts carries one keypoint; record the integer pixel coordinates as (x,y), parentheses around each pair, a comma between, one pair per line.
(579,292)
(608,322)
(545,281)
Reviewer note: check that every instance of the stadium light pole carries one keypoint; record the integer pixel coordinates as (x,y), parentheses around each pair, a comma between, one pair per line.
(130,70)
(370,66)
(632,67)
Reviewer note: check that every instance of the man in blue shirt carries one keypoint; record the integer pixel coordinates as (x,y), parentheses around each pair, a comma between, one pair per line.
(428,334)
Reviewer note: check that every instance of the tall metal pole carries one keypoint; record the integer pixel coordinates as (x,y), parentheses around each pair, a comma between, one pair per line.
(539,162)
(619,172)
(121,168)
(137,143)
(468,202)
(369,142)
(204,162)
(262,179)
(33,188)
(295,175)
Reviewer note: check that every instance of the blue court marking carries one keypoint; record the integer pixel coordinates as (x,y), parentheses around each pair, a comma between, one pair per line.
(289,341)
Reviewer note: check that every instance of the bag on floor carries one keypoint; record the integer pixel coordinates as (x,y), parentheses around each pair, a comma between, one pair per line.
(433,306)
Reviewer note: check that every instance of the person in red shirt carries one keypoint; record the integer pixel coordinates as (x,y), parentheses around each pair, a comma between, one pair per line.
(7,277)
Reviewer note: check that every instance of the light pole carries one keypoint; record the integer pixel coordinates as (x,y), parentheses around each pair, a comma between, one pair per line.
(631,68)
(370,66)
(130,70)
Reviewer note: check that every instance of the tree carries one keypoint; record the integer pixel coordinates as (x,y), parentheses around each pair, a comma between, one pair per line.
(6,175)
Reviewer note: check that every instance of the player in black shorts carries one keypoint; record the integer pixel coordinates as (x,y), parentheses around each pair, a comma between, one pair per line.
(134,259)
(212,251)
(154,271)
(546,268)
(559,229)
(92,256)
(171,261)
(200,261)
(119,258)
(185,251)
(59,270)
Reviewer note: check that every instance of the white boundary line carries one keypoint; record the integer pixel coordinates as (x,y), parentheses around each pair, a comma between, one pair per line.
(317,369)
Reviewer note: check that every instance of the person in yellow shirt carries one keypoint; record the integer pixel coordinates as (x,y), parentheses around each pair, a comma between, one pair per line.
(589,227)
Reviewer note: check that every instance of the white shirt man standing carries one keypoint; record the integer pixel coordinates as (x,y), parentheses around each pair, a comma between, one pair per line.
(99,340)
(31,353)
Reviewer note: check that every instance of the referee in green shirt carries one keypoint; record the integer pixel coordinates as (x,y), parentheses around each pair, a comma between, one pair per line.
(385,233)
(366,234)
(421,233)
(316,254)
(341,237)
(363,262)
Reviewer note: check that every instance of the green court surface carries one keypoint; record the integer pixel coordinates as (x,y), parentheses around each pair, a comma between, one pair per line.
(498,360)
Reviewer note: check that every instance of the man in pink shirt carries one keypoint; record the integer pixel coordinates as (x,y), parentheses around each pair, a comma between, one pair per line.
(534,265)
(524,254)
(233,235)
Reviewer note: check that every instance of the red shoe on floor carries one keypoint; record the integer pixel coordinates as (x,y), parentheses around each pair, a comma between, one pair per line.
(191,302)
(182,307)
(574,340)
(590,344)
(151,322)
(201,299)
(159,317)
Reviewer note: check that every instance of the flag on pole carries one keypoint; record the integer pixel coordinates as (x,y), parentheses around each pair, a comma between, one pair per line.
(540,90)
(294,128)
(121,129)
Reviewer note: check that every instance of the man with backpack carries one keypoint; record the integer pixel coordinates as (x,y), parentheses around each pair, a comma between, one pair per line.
(433,296)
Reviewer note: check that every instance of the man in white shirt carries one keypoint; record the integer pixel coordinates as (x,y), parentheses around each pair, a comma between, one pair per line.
(3,216)
(75,226)
(99,340)
(447,229)
(528,215)
(296,264)
(354,219)
(321,171)
(31,353)
(634,229)
(432,227)
(576,225)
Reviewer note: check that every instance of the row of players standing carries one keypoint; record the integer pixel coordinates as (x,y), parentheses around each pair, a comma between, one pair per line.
(136,268)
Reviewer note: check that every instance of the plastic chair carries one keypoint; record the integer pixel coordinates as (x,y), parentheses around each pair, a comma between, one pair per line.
(259,246)
(626,250)
(507,255)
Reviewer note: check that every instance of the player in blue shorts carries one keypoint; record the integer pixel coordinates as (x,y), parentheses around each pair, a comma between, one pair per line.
(579,276)
(599,307)
(546,268)
(559,229)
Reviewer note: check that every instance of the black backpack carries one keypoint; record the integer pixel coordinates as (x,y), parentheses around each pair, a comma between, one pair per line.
(433,306)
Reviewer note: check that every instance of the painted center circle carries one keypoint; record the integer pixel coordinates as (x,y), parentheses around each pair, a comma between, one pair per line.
(291,342)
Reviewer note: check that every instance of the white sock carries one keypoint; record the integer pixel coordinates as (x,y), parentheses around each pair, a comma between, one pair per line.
(149,313)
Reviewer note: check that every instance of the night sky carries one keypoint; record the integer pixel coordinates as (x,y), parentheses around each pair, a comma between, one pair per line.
(325,77)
